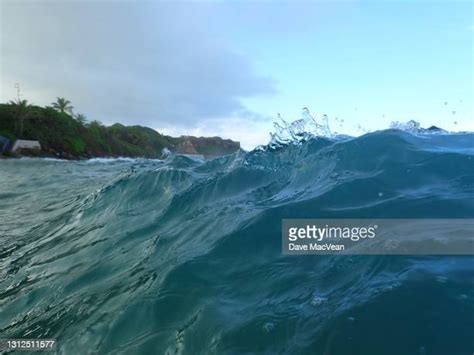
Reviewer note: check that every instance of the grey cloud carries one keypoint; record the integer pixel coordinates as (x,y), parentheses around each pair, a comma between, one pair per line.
(153,63)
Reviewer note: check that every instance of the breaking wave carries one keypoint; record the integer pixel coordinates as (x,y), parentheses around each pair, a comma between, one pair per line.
(181,256)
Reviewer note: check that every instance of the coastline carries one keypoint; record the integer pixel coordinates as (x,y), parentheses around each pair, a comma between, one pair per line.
(63,156)
(29,130)
(68,157)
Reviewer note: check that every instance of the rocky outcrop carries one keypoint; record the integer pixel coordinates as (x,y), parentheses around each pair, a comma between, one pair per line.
(207,146)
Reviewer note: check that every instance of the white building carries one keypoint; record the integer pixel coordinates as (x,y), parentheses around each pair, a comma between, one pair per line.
(25,144)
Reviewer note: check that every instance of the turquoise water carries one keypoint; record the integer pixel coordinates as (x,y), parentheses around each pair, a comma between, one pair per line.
(134,256)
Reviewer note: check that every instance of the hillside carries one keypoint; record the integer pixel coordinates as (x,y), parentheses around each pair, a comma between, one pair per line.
(62,135)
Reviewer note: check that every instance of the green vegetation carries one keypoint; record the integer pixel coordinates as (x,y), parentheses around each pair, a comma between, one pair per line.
(62,105)
(81,119)
(62,134)
(21,112)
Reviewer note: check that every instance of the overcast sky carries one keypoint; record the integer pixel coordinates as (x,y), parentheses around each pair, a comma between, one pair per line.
(227,68)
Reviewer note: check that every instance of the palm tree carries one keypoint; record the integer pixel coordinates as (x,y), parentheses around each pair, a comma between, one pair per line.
(62,105)
(21,109)
(81,118)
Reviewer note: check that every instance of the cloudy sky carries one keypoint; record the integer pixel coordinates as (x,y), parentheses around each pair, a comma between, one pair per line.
(228,67)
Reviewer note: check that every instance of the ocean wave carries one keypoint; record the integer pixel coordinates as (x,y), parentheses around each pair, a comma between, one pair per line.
(184,256)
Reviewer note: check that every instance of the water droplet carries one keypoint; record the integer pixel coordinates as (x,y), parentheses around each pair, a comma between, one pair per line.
(268,327)
(380,194)
(455,122)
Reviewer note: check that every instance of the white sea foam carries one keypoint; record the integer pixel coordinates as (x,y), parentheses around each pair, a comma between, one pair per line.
(109,160)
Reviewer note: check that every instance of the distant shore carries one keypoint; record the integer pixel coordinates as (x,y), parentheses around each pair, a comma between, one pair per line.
(61,134)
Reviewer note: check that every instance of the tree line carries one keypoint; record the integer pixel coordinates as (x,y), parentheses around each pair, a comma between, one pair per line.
(61,105)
